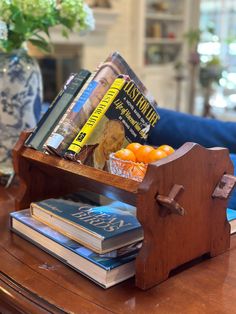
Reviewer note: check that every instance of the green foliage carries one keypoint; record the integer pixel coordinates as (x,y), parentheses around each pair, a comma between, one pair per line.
(210,72)
(193,37)
(30,21)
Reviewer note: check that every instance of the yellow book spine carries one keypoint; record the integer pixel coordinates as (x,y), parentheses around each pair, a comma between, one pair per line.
(88,128)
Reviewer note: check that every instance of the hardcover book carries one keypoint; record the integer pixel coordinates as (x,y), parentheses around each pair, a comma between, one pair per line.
(62,135)
(79,111)
(103,270)
(99,228)
(231,217)
(48,121)
(124,115)
(50,108)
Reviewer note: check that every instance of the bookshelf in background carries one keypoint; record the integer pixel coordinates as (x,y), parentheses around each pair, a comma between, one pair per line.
(163,31)
(163,46)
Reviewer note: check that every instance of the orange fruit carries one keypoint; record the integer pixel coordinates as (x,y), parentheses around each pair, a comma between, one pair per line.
(134,147)
(142,152)
(167,149)
(125,154)
(156,154)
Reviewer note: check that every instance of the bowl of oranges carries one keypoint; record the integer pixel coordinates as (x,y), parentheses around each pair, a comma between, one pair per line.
(131,162)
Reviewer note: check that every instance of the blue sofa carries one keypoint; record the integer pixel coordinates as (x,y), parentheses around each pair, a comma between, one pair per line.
(176,128)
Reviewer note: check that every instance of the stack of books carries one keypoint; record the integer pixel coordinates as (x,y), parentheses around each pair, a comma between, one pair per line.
(96,114)
(99,241)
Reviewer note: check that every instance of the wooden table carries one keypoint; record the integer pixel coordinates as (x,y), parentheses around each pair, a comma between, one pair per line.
(31,281)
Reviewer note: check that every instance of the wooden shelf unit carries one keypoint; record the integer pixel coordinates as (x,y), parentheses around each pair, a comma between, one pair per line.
(181,216)
(163,27)
(163,46)
(164,16)
(163,41)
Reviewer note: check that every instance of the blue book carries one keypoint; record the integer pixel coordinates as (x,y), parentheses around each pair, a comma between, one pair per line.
(100,228)
(105,271)
(58,107)
(231,216)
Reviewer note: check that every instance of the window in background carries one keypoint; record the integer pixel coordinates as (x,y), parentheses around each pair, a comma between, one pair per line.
(218,41)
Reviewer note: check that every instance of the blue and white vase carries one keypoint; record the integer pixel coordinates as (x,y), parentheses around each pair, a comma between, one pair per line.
(20,100)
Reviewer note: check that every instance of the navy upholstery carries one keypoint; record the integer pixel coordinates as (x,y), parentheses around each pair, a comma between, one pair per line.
(175,128)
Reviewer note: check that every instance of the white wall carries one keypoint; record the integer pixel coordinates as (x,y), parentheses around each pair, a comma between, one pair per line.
(120,36)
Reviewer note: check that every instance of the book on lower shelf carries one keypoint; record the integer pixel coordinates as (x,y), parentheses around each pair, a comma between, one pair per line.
(103,270)
(101,228)
(231,217)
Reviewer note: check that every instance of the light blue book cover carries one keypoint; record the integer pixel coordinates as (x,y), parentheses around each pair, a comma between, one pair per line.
(231,214)
(106,263)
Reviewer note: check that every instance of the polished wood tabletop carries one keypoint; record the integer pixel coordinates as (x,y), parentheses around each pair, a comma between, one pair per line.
(32,281)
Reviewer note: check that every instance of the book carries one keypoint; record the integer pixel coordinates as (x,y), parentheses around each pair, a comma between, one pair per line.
(62,135)
(104,271)
(231,217)
(100,228)
(50,108)
(124,115)
(56,110)
(79,111)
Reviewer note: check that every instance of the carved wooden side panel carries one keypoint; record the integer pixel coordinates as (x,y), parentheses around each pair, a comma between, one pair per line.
(172,239)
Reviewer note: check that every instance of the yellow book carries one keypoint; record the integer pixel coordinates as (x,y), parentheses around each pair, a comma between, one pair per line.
(86,131)
(124,115)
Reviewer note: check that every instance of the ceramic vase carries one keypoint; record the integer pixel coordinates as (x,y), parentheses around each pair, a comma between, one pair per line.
(20,100)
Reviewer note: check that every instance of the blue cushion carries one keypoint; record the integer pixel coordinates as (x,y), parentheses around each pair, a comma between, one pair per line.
(176,128)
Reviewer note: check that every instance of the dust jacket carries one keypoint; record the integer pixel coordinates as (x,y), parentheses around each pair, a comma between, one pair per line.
(101,228)
(124,115)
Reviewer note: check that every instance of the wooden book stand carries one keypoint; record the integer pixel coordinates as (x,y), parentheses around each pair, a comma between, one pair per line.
(181,202)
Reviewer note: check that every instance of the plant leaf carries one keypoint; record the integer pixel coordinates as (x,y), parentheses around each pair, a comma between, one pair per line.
(41,44)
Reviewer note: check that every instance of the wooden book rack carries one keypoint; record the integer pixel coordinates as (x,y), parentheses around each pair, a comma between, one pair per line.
(181,202)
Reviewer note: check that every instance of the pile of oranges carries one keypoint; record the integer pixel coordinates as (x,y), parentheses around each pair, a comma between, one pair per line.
(137,152)
(132,161)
